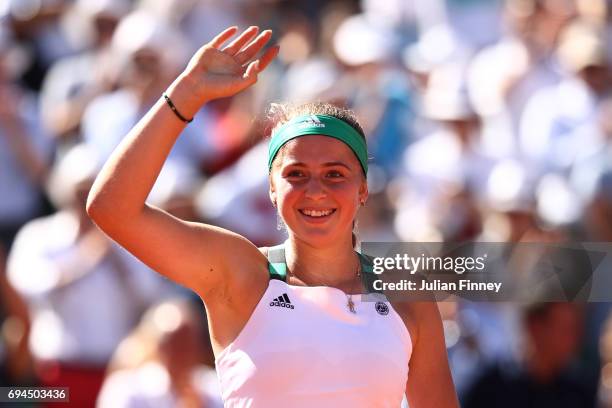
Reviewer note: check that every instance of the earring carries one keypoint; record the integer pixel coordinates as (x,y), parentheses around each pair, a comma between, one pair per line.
(279,222)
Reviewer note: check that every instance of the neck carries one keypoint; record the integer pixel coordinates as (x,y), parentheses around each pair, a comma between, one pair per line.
(333,265)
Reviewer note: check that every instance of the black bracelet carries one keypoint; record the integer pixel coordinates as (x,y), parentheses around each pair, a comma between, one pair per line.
(176,112)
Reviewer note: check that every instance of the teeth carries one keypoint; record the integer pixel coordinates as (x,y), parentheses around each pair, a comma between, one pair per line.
(315,213)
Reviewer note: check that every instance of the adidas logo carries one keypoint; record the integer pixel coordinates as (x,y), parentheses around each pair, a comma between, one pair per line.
(282,301)
(312,121)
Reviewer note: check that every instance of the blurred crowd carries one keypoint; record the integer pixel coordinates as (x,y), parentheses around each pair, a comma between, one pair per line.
(486,120)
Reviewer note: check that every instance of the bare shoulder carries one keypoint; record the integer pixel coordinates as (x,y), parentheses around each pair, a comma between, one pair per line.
(247,278)
(231,306)
(247,265)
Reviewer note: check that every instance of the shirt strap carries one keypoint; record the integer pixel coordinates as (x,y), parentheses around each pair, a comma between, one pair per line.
(367,273)
(277,266)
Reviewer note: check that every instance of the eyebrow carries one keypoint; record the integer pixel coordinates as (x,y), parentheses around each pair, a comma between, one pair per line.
(327,164)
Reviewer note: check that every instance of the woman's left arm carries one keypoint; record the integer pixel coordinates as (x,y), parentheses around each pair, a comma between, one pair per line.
(429,379)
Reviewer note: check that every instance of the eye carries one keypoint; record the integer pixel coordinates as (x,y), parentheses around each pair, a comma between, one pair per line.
(334,174)
(294,173)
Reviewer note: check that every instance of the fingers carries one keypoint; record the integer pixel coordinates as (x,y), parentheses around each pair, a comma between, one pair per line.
(240,42)
(223,37)
(255,67)
(254,47)
(267,58)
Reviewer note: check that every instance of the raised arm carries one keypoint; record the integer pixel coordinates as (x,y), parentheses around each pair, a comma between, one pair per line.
(194,255)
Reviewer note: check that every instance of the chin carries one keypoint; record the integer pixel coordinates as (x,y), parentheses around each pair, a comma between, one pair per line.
(321,238)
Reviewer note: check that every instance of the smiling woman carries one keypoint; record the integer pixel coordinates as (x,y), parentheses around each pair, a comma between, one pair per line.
(287,325)
(314,147)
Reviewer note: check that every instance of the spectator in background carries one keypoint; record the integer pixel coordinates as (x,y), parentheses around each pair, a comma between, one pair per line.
(551,117)
(84,294)
(590,164)
(72,82)
(197,20)
(25,156)
(375,86)
(562,130)
(25,151)
(163,363)
(15,358)
(543,378)
(598,229)
(37,26)
(598,218)
(150,52)
(237,193)
(503,76)
(475,20)
(445,170)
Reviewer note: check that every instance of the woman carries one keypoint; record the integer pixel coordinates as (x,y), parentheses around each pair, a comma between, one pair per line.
(301,338)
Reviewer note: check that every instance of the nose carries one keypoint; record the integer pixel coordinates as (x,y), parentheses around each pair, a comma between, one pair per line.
(315,190)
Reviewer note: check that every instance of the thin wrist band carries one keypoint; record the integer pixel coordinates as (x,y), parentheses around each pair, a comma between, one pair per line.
(176,112)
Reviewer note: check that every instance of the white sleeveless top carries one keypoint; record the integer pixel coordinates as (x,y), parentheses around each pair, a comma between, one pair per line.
(302,347)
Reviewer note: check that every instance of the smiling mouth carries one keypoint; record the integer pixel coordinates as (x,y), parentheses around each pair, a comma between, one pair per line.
(317,213)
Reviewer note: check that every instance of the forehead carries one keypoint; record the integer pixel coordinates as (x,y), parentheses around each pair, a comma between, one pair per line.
(314,149)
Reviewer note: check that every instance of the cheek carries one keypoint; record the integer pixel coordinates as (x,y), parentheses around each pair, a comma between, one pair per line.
(348,191)
(347,195)
(286,193)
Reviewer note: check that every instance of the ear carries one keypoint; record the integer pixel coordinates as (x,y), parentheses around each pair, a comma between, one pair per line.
(363,191)
(272,192)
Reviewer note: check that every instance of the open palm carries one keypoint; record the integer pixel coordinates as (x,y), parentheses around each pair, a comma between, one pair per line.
(222,72)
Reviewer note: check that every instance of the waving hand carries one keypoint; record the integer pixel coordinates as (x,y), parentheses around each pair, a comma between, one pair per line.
(219,70)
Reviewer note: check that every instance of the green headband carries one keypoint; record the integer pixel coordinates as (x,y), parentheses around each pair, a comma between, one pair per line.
(319,125)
